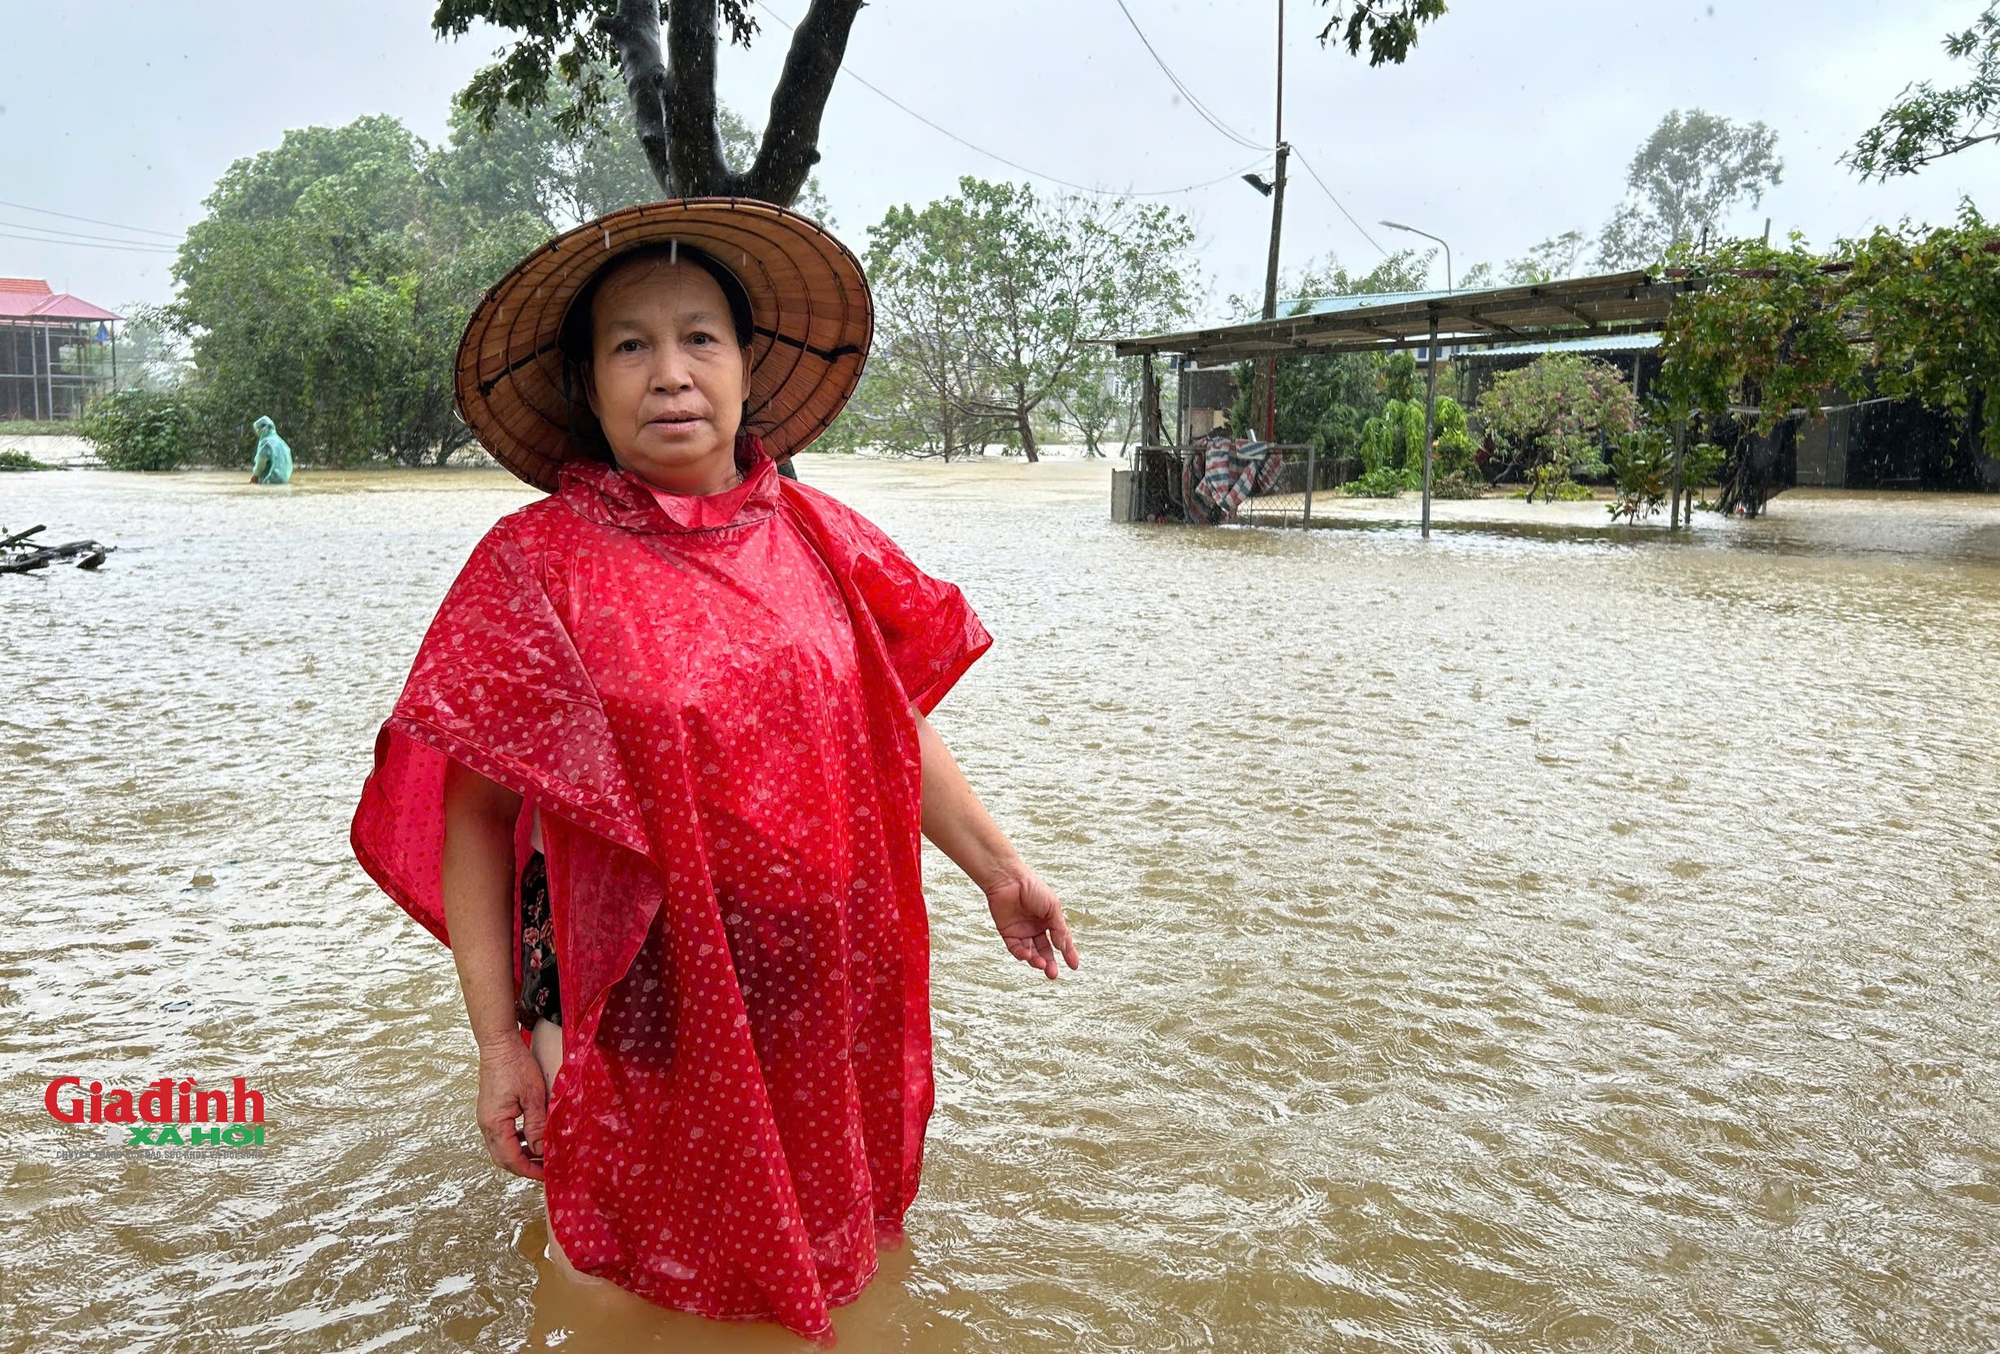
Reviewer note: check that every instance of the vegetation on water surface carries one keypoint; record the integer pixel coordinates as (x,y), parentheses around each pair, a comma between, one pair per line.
(13,459)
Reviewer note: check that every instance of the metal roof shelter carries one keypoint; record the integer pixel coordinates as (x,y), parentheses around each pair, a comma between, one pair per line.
(49,363)
(1608,305)
(1579,307)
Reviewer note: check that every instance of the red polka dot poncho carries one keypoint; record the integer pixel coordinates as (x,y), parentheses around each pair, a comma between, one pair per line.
(707,699)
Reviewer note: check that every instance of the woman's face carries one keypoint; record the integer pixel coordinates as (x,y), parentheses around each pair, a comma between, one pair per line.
(667,377)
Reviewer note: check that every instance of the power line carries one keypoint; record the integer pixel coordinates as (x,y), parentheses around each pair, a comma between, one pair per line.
(91,220)
(1234,135)
(84,244)
(1015,164)
(74,235)
(1185,92)
(1338,203)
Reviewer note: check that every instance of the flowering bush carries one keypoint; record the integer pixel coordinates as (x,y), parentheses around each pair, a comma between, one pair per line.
(1554,418)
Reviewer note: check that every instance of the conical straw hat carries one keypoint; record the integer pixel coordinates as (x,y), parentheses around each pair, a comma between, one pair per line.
(809,308)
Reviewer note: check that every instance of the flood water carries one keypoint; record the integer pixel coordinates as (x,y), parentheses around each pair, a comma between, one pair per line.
(1526,940)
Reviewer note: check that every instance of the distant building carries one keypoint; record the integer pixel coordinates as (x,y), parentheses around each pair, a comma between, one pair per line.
(56,351)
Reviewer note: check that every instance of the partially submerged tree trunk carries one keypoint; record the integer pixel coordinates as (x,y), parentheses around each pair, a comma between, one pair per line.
(673,97)
(1024,422)
(1750,474)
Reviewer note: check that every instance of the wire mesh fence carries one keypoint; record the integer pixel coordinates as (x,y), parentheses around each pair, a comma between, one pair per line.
(1254,483)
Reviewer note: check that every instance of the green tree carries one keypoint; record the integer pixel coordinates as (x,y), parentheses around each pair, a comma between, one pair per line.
(1328,398)
(1101,398)
(1453,450)
(1932,304)
(1912,313)
(326,287)
(142,429)
(1692,170)
(566,161)
(993,298)
(670,88)
(1927,123)
(1548,261)
(927,390)
(1554,418)
(558,163)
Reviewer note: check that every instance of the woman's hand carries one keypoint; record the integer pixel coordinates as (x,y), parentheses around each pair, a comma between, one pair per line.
(1029,918)
(511,1086)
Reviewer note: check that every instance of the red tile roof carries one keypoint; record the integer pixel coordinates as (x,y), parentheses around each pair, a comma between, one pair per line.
(29,298)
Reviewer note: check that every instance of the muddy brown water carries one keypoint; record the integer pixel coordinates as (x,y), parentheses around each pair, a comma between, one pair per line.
(1539,939)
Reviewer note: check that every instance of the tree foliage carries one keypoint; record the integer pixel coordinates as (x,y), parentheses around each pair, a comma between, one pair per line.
(1100,399)
(327,286)
(561,161)
(1693,169)
(1927,123)
(1548,261)
(1911,313)
(1453,452)
(566,159)
(1388,28)
(669,85)
(142,429)
(1931,303)
(1328,398)
(989,302)
(332,276)
(1555,417)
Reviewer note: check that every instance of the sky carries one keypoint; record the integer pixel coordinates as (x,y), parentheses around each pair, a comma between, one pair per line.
(1510,122)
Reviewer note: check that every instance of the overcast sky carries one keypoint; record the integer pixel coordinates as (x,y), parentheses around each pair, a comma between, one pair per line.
(1510,123)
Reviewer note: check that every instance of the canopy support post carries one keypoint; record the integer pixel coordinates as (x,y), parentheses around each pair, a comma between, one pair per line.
(1674,513)
(1430,419)
(1149,403)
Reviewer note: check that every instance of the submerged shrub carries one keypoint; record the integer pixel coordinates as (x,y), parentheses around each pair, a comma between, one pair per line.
(143,429)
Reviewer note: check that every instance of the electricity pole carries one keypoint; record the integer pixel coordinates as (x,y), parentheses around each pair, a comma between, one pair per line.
(1270,369)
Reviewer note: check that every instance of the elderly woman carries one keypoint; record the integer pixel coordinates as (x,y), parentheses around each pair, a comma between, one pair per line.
(659,769)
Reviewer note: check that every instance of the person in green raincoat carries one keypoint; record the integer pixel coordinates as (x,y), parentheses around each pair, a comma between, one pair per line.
(274,458)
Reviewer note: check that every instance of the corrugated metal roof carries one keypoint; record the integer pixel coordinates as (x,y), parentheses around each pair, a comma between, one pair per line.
(1577,307)
(29,298)
(1606,343)
(1329,305)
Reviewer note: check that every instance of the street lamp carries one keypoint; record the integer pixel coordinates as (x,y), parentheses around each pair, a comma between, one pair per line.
(1397,225)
